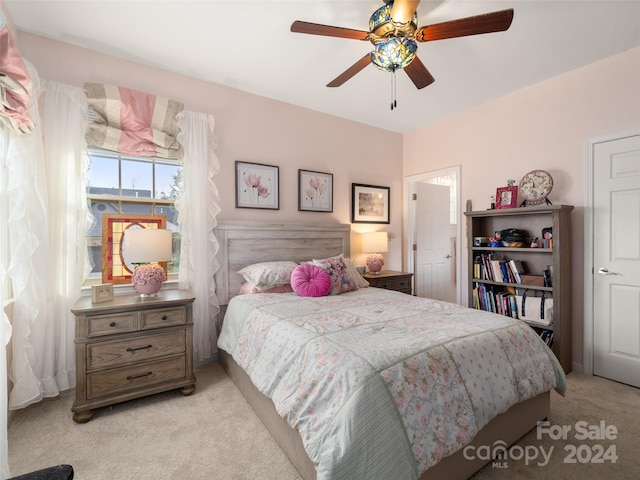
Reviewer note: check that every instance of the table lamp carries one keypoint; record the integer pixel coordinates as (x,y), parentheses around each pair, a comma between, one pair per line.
(375,243)
(142,246)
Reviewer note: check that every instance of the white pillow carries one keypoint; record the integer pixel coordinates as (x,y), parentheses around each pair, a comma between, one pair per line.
(266,275)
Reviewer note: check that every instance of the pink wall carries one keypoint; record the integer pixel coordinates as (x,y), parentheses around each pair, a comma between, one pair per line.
(544,126)
(255,129)
(541,127)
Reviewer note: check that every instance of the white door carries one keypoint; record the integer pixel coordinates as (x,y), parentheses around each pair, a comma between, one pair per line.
(433,266)
(616,247)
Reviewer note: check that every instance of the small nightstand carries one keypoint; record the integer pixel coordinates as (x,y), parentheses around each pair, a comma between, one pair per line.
(129,347)
(398,281)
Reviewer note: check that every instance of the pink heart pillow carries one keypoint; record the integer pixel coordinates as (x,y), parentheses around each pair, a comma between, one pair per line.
(308,280)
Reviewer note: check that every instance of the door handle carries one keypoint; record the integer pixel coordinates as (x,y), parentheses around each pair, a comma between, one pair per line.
(447,256)
(604,271)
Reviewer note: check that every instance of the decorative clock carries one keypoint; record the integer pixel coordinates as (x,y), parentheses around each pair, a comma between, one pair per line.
(535,187)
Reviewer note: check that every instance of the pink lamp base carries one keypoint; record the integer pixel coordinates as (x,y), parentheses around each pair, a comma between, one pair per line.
(375,262)
(147,279)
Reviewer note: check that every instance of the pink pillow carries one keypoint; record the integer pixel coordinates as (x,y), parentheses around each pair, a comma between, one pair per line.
(307,280)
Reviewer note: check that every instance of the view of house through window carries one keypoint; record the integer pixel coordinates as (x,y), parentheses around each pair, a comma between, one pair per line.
(135,185)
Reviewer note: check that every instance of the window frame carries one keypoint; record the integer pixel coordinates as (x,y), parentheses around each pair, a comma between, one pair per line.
(119,200)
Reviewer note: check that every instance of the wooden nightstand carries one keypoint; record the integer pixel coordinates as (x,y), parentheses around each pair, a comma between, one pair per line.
(130,347)
(399,281)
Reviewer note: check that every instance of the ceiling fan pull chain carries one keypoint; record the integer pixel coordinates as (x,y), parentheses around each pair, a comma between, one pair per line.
(394,103)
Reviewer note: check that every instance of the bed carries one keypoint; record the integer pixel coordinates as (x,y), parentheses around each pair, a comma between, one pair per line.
(382,408)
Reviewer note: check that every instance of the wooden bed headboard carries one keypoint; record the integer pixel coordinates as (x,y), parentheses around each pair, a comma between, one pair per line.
(245,243)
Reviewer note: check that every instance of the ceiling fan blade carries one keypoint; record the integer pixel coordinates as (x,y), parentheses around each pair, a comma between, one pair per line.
(328,31)
(403,10)
(350,72)
(419,74)
(486,23)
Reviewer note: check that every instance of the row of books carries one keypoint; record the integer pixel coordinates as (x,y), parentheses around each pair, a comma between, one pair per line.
(503,303)
(487,267)
(500,302)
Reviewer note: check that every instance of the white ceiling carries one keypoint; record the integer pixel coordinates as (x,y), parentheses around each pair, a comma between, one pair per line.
(248,45)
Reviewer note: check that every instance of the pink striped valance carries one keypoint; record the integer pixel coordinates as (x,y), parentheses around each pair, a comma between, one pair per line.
(15,83)
(132,122)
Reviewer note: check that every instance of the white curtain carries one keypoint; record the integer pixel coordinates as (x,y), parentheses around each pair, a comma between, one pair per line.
(47,222)
(32,343)
(198,205)
(5,326)
(64,120)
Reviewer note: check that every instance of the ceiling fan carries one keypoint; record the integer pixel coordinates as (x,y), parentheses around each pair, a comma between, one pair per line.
(394,32)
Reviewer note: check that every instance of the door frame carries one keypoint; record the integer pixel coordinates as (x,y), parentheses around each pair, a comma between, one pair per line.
(409,220)
(588,327)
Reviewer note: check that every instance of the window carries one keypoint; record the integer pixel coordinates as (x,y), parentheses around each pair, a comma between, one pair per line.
(136,185)
(449,181)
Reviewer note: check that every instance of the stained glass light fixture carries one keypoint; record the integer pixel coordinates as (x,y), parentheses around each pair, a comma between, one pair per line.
(394,53)
(396,48)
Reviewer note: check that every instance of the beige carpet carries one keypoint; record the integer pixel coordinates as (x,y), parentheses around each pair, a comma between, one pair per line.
(214,434)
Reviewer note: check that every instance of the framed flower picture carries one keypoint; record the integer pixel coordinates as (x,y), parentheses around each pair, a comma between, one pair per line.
(257,186)
(315,191)
(507,197)
(369,203)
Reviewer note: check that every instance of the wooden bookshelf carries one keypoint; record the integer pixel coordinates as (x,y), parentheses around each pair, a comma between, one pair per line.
(531,220)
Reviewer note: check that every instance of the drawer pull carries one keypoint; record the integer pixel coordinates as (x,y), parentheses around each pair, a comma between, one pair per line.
(133,377)
(138,348)
(164,317)
(112,324)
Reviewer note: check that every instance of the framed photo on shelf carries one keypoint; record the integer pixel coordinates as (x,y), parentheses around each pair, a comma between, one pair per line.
(257,186)
(369,203)
(315,191)
(101,293)
(507,197)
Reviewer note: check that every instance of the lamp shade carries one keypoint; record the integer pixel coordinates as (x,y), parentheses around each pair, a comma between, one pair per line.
(144,245)
(375,242)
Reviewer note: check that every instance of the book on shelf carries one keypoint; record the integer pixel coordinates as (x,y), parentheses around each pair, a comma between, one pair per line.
(517,269)
(488,266)
(546,336)
(496,299)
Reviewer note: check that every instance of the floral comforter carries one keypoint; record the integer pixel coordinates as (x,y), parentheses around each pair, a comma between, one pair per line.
(380,384)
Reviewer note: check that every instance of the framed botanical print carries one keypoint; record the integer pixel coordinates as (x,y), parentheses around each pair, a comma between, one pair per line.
(257,186)
(369,203)
(315,191)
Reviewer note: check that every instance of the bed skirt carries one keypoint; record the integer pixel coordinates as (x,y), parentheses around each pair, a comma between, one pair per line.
(508,427)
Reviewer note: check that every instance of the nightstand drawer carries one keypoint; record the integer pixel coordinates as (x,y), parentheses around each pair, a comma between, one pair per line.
(134,377)
(163,317)
(134,349)
(98,325)
(401,284)
(390,280)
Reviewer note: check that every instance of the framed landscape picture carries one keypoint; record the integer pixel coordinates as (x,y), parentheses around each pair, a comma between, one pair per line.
(257,186)
(369,203)
(315,191)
